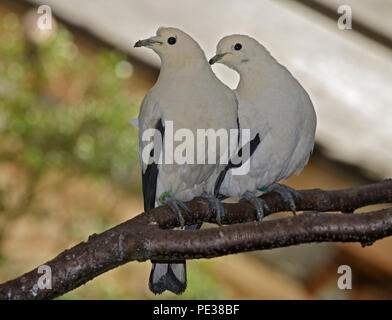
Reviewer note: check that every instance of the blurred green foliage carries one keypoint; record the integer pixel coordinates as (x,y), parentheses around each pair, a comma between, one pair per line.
(61,109)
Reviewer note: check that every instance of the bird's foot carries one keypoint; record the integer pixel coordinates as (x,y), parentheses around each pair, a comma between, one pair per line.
(288,194)
(258,203)
(175,205)
(217,206)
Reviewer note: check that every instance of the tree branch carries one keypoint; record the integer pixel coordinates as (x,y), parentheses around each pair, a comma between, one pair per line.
(147,236)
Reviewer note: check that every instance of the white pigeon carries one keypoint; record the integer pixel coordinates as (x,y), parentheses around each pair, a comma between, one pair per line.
(279,114)
(188,95)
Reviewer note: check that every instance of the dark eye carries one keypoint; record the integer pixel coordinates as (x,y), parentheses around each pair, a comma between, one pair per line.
(171,40)
(238,46)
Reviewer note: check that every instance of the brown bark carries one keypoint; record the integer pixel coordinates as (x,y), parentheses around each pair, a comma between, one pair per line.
(148,235)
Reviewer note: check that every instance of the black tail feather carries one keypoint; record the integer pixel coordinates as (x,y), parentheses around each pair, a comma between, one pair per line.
(168,281)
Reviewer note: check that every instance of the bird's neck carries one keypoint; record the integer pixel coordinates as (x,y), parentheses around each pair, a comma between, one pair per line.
(186,69)
(255,76)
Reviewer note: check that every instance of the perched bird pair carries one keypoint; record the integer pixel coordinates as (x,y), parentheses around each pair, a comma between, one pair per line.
(269,102)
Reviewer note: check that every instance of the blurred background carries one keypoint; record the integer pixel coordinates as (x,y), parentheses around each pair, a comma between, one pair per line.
(69,155)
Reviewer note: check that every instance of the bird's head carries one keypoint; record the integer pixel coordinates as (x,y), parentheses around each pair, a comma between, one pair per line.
(236,51)
(172,44)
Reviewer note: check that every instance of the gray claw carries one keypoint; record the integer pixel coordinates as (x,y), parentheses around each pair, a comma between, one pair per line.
(175,205)
(183,206)
(258,203)
(217,206)
(294,192)
(288,194)
(220,211)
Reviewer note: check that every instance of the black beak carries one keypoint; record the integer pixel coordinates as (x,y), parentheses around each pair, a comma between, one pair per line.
(145,43)
(216,58)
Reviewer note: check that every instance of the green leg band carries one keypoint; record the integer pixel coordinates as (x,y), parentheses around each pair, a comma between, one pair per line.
(163,196)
